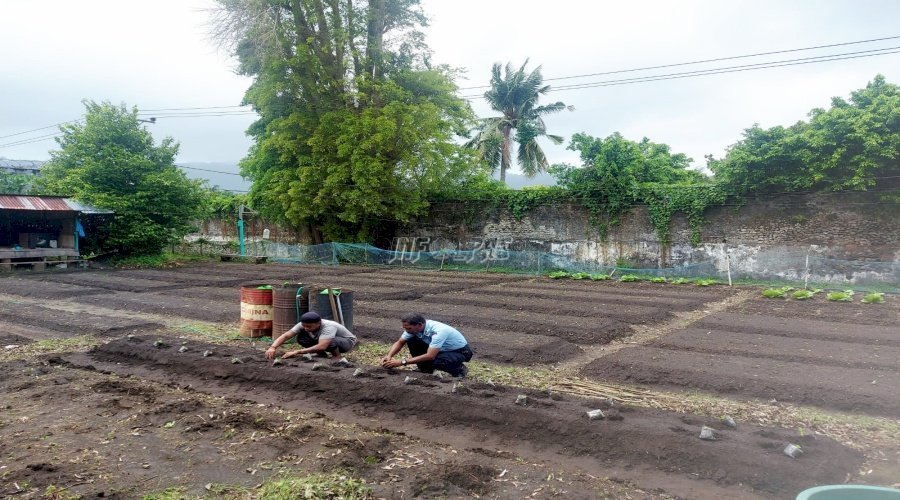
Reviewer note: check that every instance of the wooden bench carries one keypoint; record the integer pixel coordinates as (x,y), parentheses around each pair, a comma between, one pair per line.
(256,259)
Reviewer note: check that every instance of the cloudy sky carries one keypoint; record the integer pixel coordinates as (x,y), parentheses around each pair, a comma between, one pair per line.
(157,56)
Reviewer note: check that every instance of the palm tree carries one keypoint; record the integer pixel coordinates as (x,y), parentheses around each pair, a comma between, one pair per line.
(515,95)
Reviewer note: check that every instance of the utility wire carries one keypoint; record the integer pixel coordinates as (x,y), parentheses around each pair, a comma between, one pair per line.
(704,61)
(716,71)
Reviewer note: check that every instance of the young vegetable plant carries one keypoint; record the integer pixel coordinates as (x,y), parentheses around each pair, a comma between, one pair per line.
(680,281)
(628,277)
(558,274)
(706,282)
(599,277)
(776,293)
(658,279)
(805,293)
(580,276)
(845,296)
(873,298)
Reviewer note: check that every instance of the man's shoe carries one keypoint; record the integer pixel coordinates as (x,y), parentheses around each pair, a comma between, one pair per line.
(463,371)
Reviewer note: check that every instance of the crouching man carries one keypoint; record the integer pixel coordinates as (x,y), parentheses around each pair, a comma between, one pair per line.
(316,336)
(432,346)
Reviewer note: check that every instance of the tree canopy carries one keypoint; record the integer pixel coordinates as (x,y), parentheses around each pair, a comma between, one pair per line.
(12,183)
(854,144)
(515,93)
(110,161)
(356,126)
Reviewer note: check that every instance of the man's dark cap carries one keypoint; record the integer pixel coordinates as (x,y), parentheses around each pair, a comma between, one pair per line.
(310,317)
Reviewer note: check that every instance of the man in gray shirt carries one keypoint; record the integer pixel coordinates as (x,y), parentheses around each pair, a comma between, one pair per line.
(316,336)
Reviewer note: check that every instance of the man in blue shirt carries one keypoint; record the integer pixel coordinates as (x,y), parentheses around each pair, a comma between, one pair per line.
(432,346)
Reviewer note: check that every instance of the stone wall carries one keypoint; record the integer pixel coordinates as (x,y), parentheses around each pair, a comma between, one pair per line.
(834,237)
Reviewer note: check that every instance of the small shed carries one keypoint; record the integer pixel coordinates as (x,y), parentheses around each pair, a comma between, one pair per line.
(40,230)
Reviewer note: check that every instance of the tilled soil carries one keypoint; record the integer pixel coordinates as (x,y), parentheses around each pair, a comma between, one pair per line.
(833,355)
(746,456)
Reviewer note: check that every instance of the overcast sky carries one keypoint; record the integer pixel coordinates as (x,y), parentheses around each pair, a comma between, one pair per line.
(156,55)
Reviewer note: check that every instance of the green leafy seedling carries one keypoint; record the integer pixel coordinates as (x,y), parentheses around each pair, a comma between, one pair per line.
(680,281)
(845,296)
(169,425)
(658,279)
(580,276)
(558,274)
(703,282)
(773,293)
(805,293)
(873,298)
(628,277)
(599,277)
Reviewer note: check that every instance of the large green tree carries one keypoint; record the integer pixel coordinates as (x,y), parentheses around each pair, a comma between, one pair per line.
(515,94)
(356,126)
(11,183)
(854,144)
(616,173)
(110,161)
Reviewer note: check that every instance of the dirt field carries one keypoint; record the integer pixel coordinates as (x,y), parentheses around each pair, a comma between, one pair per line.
(108,394)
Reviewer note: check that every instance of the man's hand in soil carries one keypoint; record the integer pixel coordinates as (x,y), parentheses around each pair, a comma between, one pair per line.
(271,352)
(390,363)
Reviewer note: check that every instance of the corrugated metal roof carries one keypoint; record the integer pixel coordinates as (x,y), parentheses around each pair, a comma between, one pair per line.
(53,203)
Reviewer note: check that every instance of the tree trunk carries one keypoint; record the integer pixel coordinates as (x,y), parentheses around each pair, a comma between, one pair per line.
(375,38)
(505,159)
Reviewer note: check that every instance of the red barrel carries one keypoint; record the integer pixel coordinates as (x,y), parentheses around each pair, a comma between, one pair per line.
(256,310)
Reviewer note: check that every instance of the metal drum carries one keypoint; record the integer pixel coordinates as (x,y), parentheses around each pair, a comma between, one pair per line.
(256,310)
(343,298)
(290,302)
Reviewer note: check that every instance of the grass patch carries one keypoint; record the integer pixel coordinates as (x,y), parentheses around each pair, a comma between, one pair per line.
(51,346)
(163,260)
(333,486)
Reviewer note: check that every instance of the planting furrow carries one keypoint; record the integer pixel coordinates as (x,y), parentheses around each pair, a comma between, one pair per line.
(775,326)
(848,389)
(108,281)
(573,307)
(181,306)
(54,323)
(685,303)
(800,350)
(579,330)
(26,287)
(818,308)
(633,289)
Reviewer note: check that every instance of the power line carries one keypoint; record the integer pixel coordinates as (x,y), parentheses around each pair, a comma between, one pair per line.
(195,108)
(704,61)
(42,128)
(716,71)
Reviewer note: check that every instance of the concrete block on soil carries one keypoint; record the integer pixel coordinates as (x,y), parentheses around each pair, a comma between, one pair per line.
(358,372)
(521,400)
(727,420)
(207,353)
(317,366)
(345,362)
(595,414)
(793,450)
(183,349)
(707,433)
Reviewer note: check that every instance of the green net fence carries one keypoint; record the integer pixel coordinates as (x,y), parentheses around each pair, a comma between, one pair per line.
(796,268)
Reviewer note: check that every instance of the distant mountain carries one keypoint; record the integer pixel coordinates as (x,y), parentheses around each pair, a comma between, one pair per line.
(224,175)
(518,181)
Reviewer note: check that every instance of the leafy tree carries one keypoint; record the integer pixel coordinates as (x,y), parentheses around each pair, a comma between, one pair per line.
(613,170)
(12,183)
(111,162)
(356,126)
(854,144)
(515,94)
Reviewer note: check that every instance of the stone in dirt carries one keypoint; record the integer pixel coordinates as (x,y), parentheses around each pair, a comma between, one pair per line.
(707,433)
(317,366)
(183,349)
(522,400)
(595,414)
(408,380)
(207,353)
(237,361)
(277,362)
(307,357)
(358,372)
(793,450)
(727,420)
(160,344)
